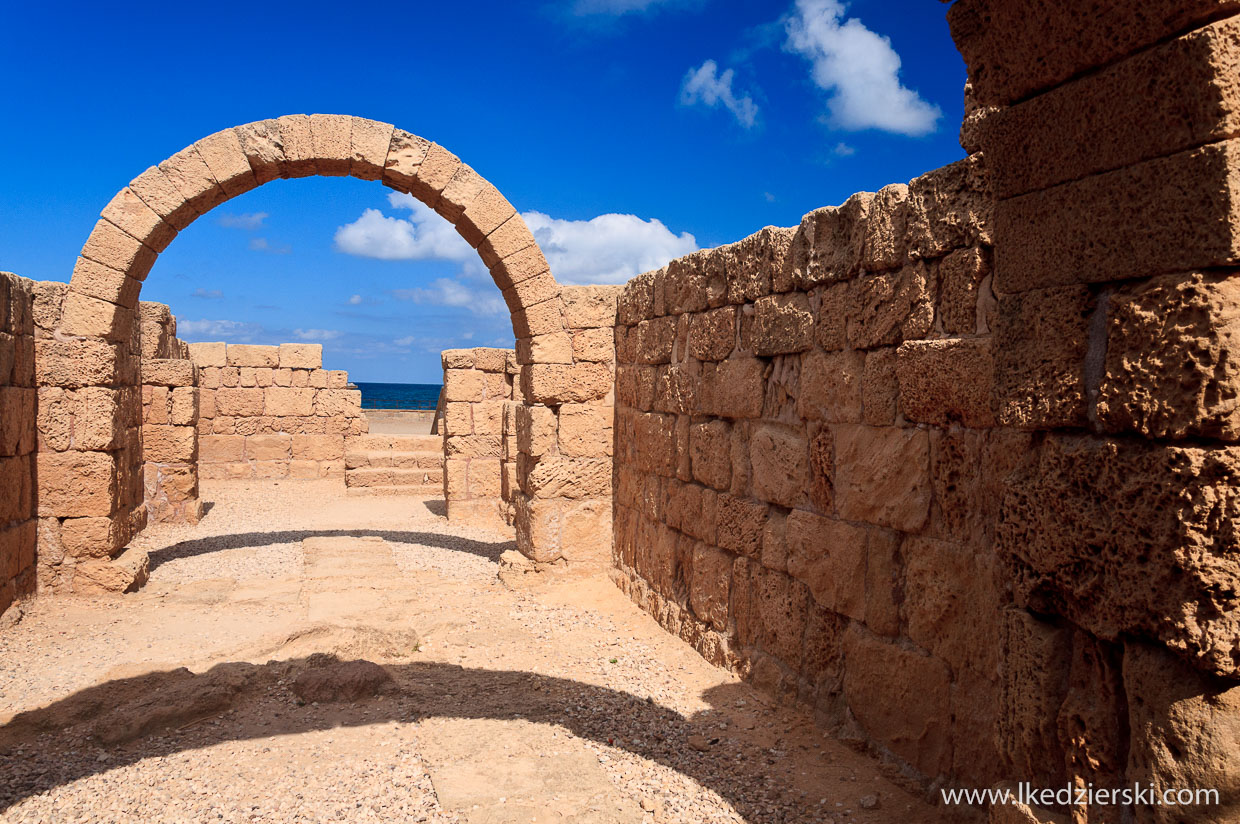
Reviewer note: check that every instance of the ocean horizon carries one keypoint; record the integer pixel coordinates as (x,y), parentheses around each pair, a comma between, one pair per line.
(415,396)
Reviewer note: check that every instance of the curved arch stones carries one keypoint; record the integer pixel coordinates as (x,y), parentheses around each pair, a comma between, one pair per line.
(144,217)
(93,342)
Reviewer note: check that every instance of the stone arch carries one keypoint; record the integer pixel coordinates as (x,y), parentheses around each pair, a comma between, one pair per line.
(145,216)
(95,486)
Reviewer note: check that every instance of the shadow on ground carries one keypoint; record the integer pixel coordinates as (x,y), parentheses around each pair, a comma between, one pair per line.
(491,550)
(159,713)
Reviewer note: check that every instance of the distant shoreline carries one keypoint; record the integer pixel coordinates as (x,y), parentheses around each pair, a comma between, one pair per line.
(399,396)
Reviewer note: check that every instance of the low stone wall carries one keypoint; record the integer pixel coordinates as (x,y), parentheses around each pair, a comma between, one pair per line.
(273,412)
(477,384)
(18,405)
(170,440)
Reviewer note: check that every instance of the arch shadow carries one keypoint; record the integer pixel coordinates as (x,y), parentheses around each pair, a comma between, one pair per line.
(156,714)
(490,550)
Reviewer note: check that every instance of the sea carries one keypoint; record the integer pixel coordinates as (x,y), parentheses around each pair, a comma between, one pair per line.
(399,395)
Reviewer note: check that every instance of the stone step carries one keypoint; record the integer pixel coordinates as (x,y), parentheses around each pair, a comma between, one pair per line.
(357,458)
(404,443)
(423,490)
(391,476)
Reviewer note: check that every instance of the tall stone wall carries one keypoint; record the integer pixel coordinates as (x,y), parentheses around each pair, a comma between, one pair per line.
(18,523)
(477,385)
(563,424)
(805,462)
(273,412)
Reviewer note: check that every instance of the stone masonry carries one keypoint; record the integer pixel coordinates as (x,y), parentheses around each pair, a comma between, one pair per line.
(477,384)
(273,412)
(18,440)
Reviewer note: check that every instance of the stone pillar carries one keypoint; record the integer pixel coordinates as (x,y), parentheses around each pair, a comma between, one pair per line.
(477,385)
(564,432)
(18,524)
(170,440)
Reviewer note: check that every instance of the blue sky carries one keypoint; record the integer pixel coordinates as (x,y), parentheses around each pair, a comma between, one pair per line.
(627,131)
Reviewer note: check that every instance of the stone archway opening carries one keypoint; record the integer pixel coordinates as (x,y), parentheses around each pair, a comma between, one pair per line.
(557,496)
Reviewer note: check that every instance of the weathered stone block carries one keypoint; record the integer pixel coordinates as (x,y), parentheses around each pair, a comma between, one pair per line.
(405,155)
(76,363)
(779,457)
(782,324)
(942,381)
(208,354)
(830,387)
(585,430)
(710,585)
(227,161)
(369,141)
(169,444)
(557,384)
(710,453)
(829,557)
(191,177)
(242,354)
(887,309)
(882,475)
(268,447)
(168,372)
(300,356)
(279,400)
(77,484)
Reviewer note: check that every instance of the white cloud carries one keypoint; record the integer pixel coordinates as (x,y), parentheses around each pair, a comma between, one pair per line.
(316,334)
(843,150)
(607,249)
(859,70)
(355,300)
(405,341)
(485,300)
(248,221)
(261,244)
(424,235)
(207,294)
(232,330)
(705,85)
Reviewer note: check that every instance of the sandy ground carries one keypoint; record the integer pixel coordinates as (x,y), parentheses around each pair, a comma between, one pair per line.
(398,421)
(300,656)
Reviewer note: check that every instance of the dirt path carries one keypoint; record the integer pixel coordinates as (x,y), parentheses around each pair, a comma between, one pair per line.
(303,656)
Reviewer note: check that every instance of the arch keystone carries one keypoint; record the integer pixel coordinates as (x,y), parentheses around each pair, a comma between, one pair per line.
(331,139)
(263,146)
(405,155)
(370,141)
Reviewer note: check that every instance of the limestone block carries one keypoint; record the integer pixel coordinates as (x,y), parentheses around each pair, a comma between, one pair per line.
(239,402)
(405,154)
(18,407)
(585,430)
(901,698)
(318,447)
(113,248)
(344,403)
(122,574)
(460,191)
(709,453)
(167,372)
(300,355)
(484,214)
(509,238)
(464,385)
(242,354)
(886,230)
(882,475)
(330,138)
(887,309)
(483,446)
(712,334)
(538,525)
(519,265)
(942,381)
(1099,228)
(227,161)
(1034,660)
(1172,367)
(962,275)
(740,525)
(130,214)
(733,388)
(76,484)
(102,282)
(782,324)
(596,345)
(298,145)
(336,379)
(1041,341)
(369,141)
(1128,538)
(221,448)
(655,340)
(829,557)
(590,307)
(263,146)
(169,444)
(880,388)
(279,400)
(159,192)
(1184,732)
(829,245)
(769,611)
(947,587)
(484,477)
(18,485)
(17,549)
(710,585)
(586,530)
(779,457)
(950,208)
(536,429)
(208,354)
(189,173)
(1013,52)
(457,358)
(488,359)
(752,262)
(268,448)
(556,384)
(76,362)
(831,386)
(434,173)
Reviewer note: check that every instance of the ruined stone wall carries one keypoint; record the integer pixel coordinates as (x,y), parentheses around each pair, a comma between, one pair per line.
(18,513)
(804,434)
(477,383)
(563,424)
(273,412)
(89,469)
